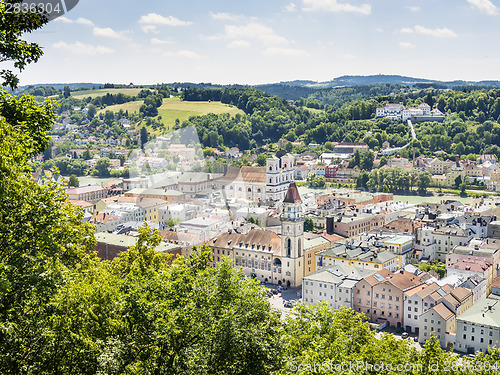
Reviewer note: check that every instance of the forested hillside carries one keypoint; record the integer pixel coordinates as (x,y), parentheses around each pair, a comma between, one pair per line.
(471,125)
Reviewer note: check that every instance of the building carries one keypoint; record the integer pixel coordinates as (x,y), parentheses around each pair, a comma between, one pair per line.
(381,296)
(333,284)
(414,305)
(90,193)
(360,254)
(401,246)
(479,327)
(110,245)
(244,183)
(263,254)
(447,238)
(279,176)
(355,223)
(439,321)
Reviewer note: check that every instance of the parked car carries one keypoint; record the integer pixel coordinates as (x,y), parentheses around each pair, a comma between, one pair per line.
(404,335)
(287,304)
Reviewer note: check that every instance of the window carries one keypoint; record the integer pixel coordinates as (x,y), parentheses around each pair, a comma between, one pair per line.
(415,317)
(409,315)
(390,298)
(397,298)
(409,308)
(465,336)
(472,338)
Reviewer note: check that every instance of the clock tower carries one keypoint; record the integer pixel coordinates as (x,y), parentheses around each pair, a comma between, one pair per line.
(292,238)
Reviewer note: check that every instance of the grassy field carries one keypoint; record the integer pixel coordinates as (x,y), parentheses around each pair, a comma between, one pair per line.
(130,107)
(174,108)
(102,92)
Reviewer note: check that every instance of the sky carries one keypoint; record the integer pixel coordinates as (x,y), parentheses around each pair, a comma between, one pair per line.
(266,41)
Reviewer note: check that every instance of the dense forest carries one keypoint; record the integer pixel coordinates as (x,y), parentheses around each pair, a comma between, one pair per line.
(471,125)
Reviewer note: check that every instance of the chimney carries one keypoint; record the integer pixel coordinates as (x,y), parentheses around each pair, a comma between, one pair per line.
(457,160)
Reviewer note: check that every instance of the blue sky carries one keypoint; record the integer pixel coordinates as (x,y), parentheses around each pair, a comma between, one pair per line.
(261,41)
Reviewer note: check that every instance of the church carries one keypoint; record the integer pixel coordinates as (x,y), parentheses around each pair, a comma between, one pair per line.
(259,184)
(263,254)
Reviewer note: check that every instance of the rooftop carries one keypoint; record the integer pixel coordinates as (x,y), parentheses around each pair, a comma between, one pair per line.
(484,312)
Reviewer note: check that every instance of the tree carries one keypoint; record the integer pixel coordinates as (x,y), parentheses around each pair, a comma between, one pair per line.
(102,166)
(73,181)
(424,180)
(308,225)
(463,187)
(366,161)
(458,181)
(144,136)
(39,249)
(362,180)
(91,112)
(66,92)
(13,48)
(208,151)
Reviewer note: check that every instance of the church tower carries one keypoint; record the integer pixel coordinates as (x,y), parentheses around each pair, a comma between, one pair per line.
(292,238)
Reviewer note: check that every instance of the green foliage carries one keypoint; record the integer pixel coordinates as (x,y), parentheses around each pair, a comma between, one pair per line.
(12,48)
(73,181)
(316,181)
(308,225)
(102,166)
(435,266)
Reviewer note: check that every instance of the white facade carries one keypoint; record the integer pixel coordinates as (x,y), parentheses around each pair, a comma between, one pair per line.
(279,175)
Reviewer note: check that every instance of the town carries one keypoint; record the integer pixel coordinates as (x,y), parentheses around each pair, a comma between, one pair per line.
(420,265)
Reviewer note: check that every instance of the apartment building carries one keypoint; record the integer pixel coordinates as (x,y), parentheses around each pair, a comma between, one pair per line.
(479,327)
(381,296)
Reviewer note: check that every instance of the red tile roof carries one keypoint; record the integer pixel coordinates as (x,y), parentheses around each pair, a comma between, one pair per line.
(292,195)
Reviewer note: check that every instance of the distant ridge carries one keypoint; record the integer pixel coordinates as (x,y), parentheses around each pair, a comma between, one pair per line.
(60,86)
(384,79)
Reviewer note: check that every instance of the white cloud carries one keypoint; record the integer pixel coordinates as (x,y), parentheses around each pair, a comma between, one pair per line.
(84,21)
(81,21)
(149,29)
(254,31)
(413,8)
(438,32)
(292,7)
(63,20)
(108,32)
(406,45)
(335,6)
(484,6)
(239,44)
(157,19)
(159,42)
(186,54)
(79,48)
(225,16)
(285,52)
(407,30)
